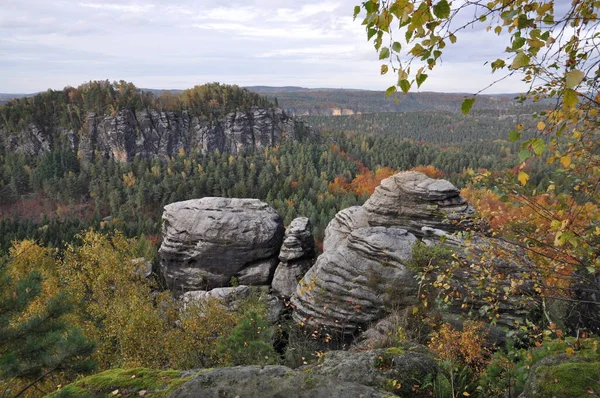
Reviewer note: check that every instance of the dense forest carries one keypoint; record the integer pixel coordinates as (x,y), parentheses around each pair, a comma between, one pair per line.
(68,107)
(61,213)
(53,196)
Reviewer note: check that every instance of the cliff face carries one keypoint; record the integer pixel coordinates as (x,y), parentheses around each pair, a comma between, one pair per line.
(152,133)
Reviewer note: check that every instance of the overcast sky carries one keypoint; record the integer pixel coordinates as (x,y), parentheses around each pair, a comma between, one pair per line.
(180,43)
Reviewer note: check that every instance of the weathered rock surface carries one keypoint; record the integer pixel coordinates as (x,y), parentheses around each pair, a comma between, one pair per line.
(351,285)
(233,298)
(561,376)
(362,272)
(408,366)
(208,241)
(296,256)
(150,133)
(412,200)
(270,382)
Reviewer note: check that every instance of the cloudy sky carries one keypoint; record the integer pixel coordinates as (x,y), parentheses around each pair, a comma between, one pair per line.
(180,43)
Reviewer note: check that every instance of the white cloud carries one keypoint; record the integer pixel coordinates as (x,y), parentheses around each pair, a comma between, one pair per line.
(180,43)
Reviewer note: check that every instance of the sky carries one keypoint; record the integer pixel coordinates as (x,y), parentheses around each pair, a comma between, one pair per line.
(176,44)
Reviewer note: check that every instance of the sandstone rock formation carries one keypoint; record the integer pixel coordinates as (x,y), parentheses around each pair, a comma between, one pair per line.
(409,365)
(296,256)
(411,200)
(270,382)
(208,241)
(362,272)
(152,133)
(350,285)
(234,297)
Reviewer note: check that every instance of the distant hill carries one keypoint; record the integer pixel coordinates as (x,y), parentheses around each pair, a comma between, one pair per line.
(4,98)
(336,102)
(303,101)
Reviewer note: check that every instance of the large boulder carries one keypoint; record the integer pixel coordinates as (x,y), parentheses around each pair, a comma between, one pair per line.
(352,284)
(270,382)
(233,299)
(412,200)
(398,369)
(363,273)
(209,241)
(561,376)
(296,256)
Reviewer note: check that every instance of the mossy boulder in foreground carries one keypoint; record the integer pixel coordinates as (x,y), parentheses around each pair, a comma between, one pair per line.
(126,382)
(270,382)
(562,376)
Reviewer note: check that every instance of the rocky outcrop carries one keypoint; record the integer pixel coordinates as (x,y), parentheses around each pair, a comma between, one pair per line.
(351,285)
(209,241)
(153,133)
(561,376)
(362,272)
(399,369)
(411,200)
(233,298)
(270,382)
(296,256)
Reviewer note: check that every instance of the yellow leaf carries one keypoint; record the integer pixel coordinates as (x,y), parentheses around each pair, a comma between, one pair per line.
(565,161)
(466,394)
(569,98)
(541,126)
(523,178)
(570,351)
(573,78)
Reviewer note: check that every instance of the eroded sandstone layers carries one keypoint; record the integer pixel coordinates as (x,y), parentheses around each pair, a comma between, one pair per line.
(296,256)
(363,272)
(209,241)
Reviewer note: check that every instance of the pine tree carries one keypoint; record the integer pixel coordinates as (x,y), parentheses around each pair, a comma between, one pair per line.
(35,343)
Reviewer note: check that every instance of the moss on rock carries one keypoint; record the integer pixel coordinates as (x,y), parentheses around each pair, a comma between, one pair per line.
(125,383)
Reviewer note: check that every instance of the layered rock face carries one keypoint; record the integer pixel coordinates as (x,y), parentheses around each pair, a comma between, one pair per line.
(362,272)
(296,256)
(412,200)
(270,382)
(209,241)
(152,133)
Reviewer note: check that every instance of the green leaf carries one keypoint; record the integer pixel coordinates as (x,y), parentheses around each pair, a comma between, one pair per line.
(370,33)
(396,47)
(538,146)
(404,85)
(523,21)
(573,78)
(518,42)
(514,136)
(524,155)
(420,79)
(452,38)
(384,69)
(442,9)
(467,104)
(384,53)
(356,11)
(390,90)
(569,98)
(371,6)
(520,60)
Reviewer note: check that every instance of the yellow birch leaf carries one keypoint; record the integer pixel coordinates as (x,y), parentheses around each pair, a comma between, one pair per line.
(565,161)
(541,126)
(523,178)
